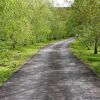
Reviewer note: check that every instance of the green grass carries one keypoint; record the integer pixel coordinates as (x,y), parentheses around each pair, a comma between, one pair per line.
(87,56)
(12,60)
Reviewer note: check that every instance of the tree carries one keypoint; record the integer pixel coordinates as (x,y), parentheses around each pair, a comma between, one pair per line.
(86,23)
(25,22)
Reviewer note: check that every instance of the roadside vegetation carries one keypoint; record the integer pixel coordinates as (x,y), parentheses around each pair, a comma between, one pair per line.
(28,25)
(87,56)
(12,60)
(86,27)
(25,27)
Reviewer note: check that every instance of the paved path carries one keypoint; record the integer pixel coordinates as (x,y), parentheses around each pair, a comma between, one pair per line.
(53,74)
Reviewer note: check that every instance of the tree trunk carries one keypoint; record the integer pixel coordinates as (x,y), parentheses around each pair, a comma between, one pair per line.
(96,46)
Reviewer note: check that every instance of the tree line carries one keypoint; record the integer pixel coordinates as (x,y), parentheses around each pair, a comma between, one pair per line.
(25,22)
(84,22)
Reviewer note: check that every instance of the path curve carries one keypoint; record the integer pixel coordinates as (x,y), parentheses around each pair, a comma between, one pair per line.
(53,74)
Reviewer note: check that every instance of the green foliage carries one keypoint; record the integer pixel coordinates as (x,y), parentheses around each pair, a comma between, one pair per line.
(85,23)
(24,22)
(11,60)
(87,56)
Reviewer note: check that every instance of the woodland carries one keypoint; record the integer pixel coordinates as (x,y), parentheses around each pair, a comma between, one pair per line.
(28,25)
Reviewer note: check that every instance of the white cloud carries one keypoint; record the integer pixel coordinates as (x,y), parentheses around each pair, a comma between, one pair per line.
(63,3)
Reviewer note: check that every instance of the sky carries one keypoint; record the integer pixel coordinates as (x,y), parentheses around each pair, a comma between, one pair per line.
(63,3)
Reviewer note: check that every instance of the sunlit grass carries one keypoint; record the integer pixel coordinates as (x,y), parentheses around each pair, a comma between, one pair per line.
(87,56)
(11,60)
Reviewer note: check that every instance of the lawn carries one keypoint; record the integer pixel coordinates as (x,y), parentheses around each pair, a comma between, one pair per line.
(12,60)
(87,56)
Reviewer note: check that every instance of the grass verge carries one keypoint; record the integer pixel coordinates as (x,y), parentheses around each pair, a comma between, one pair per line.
(87,56)
(12,60)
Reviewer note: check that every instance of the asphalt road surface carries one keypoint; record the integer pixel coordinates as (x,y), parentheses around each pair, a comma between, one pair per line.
(53,74)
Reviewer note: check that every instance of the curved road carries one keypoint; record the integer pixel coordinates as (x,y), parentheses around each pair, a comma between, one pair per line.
(53,74)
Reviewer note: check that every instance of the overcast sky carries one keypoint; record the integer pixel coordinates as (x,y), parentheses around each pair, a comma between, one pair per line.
(63,3)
